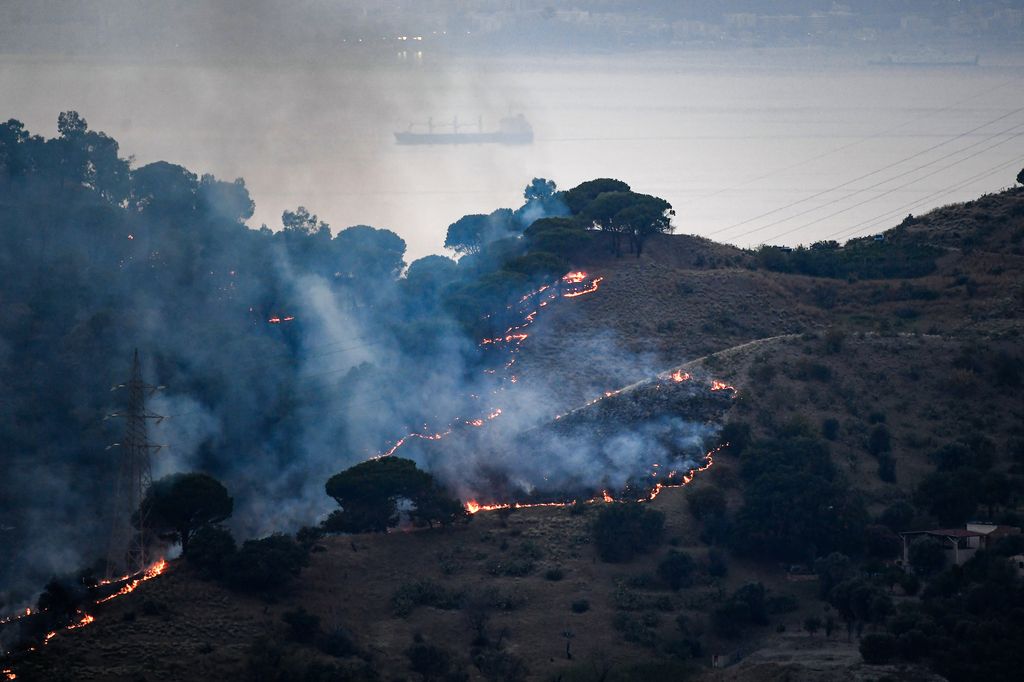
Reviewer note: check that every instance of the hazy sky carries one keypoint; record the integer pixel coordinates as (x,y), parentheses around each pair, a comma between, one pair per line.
(803,140)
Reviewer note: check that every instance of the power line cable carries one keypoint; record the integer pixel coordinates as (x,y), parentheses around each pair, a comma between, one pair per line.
(861,177)
(847,232)
(889,191)
(856,142)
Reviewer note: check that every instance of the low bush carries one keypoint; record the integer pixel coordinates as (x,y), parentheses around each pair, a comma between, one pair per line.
(424,593)
(267,564)
(302,625)
(878,649)
(676,570)
(210,549)
(621,531)
(554,574)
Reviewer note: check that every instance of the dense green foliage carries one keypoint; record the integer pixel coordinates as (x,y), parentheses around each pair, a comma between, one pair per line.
(267,564)
(369,493)
(676,569)
(859,259)
(210,549)
(621,531)
(181,504)
(797,506)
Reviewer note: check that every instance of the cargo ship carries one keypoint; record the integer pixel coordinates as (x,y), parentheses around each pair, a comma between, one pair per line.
(925,60)
(511,130)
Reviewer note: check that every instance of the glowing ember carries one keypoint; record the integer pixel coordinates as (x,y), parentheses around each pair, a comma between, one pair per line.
(594,284)
(151,572)
(86,619)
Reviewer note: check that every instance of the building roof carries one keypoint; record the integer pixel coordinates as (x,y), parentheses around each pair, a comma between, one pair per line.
(1000,531)
(946,533)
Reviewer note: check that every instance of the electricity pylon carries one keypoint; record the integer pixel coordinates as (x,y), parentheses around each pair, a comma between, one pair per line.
(126,551)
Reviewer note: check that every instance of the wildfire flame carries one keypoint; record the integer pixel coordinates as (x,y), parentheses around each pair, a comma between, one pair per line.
(594,284)
(717,385)
(84,619)
(679,376)
(512,338)
(473,506)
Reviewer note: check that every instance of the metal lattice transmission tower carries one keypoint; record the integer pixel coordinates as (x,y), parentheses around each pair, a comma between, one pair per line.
(126,552)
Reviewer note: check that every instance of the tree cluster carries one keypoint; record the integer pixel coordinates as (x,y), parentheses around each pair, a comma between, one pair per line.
(369,495)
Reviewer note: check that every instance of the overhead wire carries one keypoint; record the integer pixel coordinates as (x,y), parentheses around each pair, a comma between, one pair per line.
(849,230)
(864,176)
(856,142)
(893,189)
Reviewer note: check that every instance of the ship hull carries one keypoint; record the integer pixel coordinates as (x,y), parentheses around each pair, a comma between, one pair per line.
(464,138)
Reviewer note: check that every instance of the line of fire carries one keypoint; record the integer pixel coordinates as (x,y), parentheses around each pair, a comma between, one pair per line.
(675,391)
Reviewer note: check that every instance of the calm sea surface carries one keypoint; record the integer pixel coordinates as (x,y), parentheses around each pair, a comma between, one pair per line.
(749,147)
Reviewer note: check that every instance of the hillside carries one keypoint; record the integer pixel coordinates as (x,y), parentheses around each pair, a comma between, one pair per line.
(933,359)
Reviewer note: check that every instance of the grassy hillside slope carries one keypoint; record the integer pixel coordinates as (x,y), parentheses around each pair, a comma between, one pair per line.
(931,358)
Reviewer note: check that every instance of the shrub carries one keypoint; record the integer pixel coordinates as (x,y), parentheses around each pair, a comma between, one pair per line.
(501,666)
(706,501)
(807,370)
(623,530)
(878,649)
(338,643)
(514,567)
(830,428)
(879,440)
(834,340)
(493,598)
(634,630)
(424,593)
(927,556)
(737,435)
(428,660)
(554,574)
(580,606)
(267,564)
(210,550)
(832,570)
(302,625)
(952,497)
(887,468)
(881,542)
(676,569)
(717,566)
(897,516)
(745,607)
(781,603)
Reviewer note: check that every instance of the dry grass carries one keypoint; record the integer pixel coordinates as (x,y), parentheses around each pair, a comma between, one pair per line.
(684,299)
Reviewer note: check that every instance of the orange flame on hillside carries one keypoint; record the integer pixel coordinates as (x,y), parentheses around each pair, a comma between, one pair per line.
(513,337)
(473,506)
(594,284)
(152,571)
